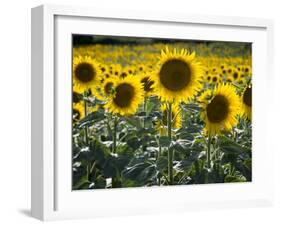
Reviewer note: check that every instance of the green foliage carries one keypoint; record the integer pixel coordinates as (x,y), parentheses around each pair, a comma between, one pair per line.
(141,157)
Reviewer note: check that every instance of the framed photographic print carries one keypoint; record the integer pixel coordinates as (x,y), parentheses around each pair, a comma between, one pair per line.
(136,113)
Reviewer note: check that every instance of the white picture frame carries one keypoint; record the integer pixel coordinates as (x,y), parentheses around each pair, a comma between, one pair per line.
(52,197)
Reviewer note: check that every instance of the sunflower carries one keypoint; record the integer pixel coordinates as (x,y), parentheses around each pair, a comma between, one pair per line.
(161,125)
(215,79)
(141,68)
(123,74)
(104,68)
(235,75)
(105,76)
(246,69)
(77,112)
(86,72)
(178,75)
(116,70)
(128,70)
(107,87)
(209,78)
(76,97)
(246,99)
(127,95)
(147,84)
(223,66)
(219,108)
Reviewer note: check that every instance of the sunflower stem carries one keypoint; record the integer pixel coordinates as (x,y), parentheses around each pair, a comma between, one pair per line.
(209,151)
(170,150)
(86,127)
(144,110)
(114,148)
(157,156)
(159,151)
(115,135)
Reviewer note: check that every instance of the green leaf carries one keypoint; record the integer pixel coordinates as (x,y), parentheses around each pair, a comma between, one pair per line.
(99,182)
(133,172)
(91,118)
(231,179)
(140,173)
(99,152)
(181,145)
(230,147)
(187,133)
(183,165)
(134,121)
(134,142)
(109,167)
(147,173)
(186,164)
(164,141)
(79,176)
(162,164)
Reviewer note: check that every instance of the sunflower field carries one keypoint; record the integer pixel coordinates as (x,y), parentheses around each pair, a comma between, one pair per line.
(156,112)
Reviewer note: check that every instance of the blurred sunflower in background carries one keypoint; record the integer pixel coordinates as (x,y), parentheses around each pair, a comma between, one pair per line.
(177,76)
(105,88)
(147,84)
(235,75)
(161,125)
(246,99)
(108,87)
(86,72)
(220,108)
(76,97)
(104,68)
(127,95)
(215,79)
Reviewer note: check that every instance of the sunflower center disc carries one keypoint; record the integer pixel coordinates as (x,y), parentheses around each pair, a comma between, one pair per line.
(175,75)
(108,88)
(217,110)
(235,75)
(85,72)
(124,95)
(247,96)
(75,97)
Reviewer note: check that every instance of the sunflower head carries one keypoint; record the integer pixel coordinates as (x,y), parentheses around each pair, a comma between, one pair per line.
(235,75)
(246,99)
(123,74)
(178,76)
(220,108)
(215,79)
(223,66)
(76,97)
(147,84)
(141,68)
(129,71)
(209,78)
(104,68)
(86,72)
(108,87)
(127,95)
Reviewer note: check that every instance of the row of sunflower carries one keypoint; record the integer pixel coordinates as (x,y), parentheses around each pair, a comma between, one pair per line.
(160,119)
